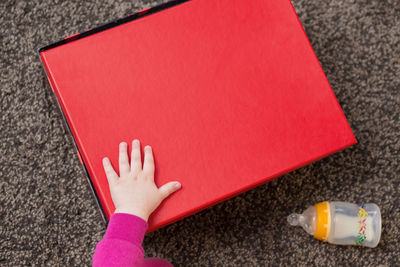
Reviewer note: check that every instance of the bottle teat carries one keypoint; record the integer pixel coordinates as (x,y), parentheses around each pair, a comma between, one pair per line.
(294,219)
(307,220)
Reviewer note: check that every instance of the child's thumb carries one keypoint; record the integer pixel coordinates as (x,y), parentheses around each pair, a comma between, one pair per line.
(169,188)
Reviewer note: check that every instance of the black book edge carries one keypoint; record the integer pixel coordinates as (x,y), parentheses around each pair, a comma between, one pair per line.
(112,24)
(78,36)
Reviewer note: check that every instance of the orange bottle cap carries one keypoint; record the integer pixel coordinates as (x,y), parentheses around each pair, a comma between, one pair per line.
(323,221)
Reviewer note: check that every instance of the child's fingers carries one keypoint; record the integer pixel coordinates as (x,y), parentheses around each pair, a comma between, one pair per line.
(123,159)
(109,170)
(136,160)
(148,165)
(168,189)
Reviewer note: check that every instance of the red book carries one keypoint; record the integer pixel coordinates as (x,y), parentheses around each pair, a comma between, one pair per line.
(229,94)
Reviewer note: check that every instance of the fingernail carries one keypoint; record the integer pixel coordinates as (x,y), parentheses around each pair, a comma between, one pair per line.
(177,185)
(123,144)
(147,148)
(105,160)
(135,141)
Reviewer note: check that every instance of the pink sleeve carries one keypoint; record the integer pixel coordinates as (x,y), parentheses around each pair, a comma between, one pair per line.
(122,242)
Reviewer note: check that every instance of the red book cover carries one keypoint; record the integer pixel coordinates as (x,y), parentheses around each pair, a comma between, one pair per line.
(228,93)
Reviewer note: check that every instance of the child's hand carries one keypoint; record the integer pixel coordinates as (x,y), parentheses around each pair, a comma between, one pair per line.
(134,191)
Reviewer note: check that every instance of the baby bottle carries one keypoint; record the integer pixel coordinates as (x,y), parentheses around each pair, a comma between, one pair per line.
(341,223)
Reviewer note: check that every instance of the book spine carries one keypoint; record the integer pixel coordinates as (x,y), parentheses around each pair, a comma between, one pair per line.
(66,124)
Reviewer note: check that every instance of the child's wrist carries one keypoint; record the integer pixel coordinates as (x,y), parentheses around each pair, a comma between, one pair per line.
(135,212)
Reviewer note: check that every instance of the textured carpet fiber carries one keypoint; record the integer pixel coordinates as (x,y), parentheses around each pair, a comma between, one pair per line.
(48,215)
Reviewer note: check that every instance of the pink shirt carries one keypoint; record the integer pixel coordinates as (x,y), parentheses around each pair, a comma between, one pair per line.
(122,244)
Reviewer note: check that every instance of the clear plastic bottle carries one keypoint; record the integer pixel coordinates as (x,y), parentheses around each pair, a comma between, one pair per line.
(341,223)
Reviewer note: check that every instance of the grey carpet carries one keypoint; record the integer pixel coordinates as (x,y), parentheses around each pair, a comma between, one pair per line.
(48,215)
